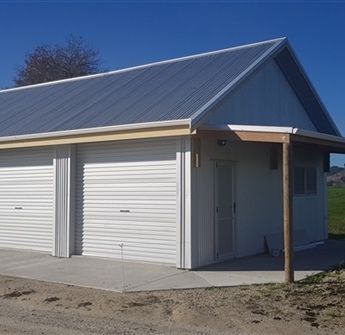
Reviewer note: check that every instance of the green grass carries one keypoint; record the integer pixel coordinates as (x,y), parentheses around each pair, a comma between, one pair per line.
(333,314)
(336,230)
(313,279)
(336,212)
(318,278)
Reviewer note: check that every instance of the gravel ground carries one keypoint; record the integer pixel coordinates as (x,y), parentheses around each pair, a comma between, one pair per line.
(35,307)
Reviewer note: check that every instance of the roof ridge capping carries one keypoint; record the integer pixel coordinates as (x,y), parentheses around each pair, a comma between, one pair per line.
(215,52)
(102,74)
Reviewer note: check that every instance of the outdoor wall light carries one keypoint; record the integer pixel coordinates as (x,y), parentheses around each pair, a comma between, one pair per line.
(222,143)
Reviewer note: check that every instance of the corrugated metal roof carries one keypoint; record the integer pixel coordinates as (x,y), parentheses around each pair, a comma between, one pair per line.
(171,90)
(179,89)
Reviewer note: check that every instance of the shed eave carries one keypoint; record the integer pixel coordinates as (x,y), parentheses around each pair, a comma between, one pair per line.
(329,143)
(312,134)
(272,134)
(101,134)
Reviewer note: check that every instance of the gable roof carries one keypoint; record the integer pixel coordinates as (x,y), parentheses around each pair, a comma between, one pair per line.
(183,89)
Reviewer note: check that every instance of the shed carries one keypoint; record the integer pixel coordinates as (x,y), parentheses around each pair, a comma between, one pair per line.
(181,162)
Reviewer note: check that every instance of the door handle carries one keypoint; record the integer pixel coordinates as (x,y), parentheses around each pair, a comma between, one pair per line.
(235,207)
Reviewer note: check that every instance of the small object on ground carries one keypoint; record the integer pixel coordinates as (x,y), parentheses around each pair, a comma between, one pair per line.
(275,252)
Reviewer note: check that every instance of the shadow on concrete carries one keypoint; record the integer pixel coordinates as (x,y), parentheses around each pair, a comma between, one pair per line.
(319,258)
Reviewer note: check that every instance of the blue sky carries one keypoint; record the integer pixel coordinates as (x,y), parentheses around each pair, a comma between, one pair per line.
(129,33)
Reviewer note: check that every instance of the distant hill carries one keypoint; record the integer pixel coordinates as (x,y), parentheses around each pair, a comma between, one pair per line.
(336,176)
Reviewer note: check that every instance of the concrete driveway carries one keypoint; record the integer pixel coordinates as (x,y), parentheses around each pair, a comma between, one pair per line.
(112,275)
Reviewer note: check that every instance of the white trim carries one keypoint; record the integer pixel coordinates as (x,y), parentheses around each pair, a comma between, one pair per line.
(145,65)
(64,202)
(179,203)
(85,131)
(320,136)
(237,127)
(183,210)
(187,203)
(263,129)
(273,129)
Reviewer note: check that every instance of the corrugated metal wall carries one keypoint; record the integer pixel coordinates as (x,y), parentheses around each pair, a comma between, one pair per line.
(258,196)
(267,99)
(310,212)
(26,199)
(126,194)
(64,200)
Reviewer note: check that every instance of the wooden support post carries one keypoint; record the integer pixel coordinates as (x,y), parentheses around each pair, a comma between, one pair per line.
(288,211)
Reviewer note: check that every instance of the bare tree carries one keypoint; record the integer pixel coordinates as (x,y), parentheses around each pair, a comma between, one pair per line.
(48,63)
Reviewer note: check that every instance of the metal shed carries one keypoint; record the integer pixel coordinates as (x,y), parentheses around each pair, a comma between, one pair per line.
(185,162)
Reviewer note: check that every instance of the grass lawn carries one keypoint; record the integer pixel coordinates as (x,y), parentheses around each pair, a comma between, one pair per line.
(336,212)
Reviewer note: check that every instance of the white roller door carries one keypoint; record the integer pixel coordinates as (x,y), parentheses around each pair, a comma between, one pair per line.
(126,194)
(26,199)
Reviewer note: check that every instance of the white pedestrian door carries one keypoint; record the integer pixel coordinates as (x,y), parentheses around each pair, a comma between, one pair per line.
(225,208)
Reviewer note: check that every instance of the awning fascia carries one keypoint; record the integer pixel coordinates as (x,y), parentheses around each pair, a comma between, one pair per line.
(268,134)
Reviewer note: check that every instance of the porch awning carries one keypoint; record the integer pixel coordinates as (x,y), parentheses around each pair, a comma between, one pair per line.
(270,134)
(288,137)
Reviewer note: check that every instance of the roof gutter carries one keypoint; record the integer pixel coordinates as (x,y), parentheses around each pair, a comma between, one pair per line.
(103,134)
(319,136)
(100,130)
